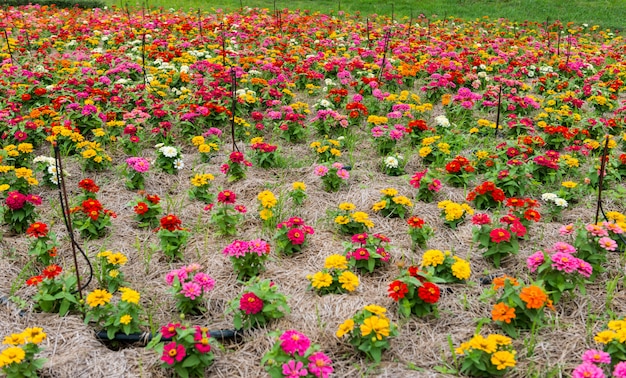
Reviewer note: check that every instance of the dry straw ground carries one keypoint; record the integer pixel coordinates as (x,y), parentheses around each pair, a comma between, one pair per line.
(422,344)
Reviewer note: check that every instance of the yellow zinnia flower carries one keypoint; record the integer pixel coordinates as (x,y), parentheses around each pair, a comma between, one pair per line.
(503,359)
(346,206)
(349,281)
(126,319)
(345,327)
(380,327)
(298,186)
(130,295)
(336,262)
(98,297)
(375,309)
(379,205)
(34,335)
(342,219)
(321,280)
(391,192)
(12,355)
(117,258)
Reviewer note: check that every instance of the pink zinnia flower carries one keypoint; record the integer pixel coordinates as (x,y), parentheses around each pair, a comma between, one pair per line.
(564,262)
(343,174)
(250,303)
(568,229)
(34,199)
(241,208)
(359,238)
(361,254)
(205,281)
(320,365)
(563,247)
(534,261)
(594,356)
(417,178)
(173,352)
(169,330)
(259,246)
(620,370)
(607,243)
(201,337)
(226,196)
(584,268)
(294,369)
(15,200)
(224,168)
(435,186)
(293,342)
(337,165)
(596,230)
(296,236)
(587,370)
(614,228)
(191,290)
(321,170)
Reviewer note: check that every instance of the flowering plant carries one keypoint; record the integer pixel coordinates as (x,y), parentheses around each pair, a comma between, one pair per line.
(134,170)
(367,252)
(328,150)
(559,270)
(92,220)
(293,355)
(335,278)
(454,213)
(108,271)
(392,205)
(267,201)
(18,179)
(298,193)
(48,166)
(200,185)
(614,343)
(333,177)
(227,216)
(265,155)
(18,360)
(523,209)
(393,165)
(414,292)
(172,236)
(555,205)
(499,239)
(147,209)
(44,244)
(546,167)
(486,357)
(236,166)
(518,306)
(486,196)
(169,159)
(351,222)
(55,292)
(385,137)
(445,266)
(291,235)
(187,286)
(187,350)
(94,156)
(594,241)
(20,210)
(248,257)
(458,171)
(126,316)
(208,144)
(426,185)
(369,331)
(260,303)
(88,189)
(419,232)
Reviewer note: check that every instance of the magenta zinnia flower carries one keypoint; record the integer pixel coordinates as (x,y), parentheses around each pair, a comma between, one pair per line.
(534,261)
(296,236)
(320,365)
(169,330)
(205,281)
(587,370)
(564,247)
(564,262)
(620,370)
(191,290)
(173,352)
(594,356)
(294,342)
(294,369)
(15,200)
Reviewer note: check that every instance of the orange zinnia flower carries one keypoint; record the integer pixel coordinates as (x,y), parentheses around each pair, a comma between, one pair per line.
(498,282)
(533,296)
(503,313)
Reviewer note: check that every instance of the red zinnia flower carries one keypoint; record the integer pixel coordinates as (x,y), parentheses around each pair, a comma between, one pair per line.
(153,198)
(89,185)
(532,215)
(37,230)
(361,254)
(480,219)
(52,271)
(429,292)
(93,214)
(415,222)
(91,205)
(296,236)
(236,157)
(397,290)
(171,222)
(499,235)
(250,303)
(453,167)
(226,196)
(34,281)
(141,208)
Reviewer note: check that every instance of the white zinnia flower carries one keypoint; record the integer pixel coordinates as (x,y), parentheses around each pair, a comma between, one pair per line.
(442,121)
(179,164)
(168,151)
(549,196)
(391,162)
(560,202)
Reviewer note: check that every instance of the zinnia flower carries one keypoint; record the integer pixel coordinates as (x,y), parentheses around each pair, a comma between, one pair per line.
(397,290)
(296,236)
(226,197)
(503,313)
(51,271)
(499,235)
(250,303)
(533,296)
(294,369)
(37,230)
(293,342)
(378,325)
(320,365)
(503,359)
(429,292)
(587,370)
(173,352)
(98,297)
(594,356)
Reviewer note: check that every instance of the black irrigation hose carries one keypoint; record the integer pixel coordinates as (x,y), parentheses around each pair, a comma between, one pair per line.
(65,211)
(221,334)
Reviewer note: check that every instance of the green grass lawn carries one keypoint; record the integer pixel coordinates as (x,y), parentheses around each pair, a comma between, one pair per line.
(606,13)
